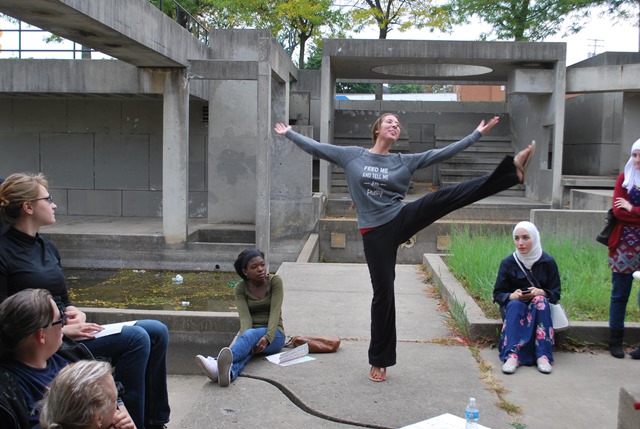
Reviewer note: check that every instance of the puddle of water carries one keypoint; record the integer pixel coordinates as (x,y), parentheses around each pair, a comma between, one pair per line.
(152,290)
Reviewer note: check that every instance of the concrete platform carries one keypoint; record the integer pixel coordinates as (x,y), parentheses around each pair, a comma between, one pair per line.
(435,374)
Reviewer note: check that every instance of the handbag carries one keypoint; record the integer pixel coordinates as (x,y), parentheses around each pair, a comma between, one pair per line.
(317,343)
(559,319)
(609,223)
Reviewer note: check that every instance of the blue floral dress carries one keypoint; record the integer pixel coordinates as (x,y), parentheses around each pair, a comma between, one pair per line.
(527,332)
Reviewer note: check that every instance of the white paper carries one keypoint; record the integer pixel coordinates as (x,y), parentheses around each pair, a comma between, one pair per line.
(111,329)
(292,361)
(291,357)
(443,421)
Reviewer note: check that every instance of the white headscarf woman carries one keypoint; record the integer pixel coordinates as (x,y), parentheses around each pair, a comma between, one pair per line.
(631,174)
(529,258)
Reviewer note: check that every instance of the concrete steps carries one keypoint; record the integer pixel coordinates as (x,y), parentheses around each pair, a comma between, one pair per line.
(480,159)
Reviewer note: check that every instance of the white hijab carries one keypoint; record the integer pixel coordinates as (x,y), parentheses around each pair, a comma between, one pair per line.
(631,174)
(528,259)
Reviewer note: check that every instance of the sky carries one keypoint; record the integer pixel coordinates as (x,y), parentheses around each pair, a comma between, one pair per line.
(598,36)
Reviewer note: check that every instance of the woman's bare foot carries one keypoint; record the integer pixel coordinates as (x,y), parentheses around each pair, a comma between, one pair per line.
(377,374)
(522,159)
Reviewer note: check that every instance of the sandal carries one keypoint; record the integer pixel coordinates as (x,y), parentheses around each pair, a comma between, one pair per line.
(381,375)
(523,167)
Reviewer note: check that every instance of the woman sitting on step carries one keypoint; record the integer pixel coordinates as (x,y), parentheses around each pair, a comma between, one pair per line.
(259,300)
(528,280)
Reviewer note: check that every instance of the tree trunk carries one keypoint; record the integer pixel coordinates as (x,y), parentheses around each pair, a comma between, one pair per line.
(303,44)
(379,91)
(382,35)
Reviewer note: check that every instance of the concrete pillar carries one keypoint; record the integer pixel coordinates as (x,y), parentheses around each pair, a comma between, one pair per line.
(630,125)
(232,151)
(263,151)
(175,156)
(327,100)
(557,112)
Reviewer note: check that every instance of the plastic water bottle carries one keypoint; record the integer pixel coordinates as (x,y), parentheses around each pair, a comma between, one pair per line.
(472,414)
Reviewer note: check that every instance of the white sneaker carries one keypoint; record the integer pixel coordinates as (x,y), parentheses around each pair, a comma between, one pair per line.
(225,360)
(209,366)
(636,275)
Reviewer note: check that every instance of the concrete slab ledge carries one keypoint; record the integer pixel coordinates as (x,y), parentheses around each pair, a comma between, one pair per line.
(190,332)
(628,403)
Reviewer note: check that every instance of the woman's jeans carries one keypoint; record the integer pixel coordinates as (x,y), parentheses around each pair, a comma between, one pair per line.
(246,342)
(139,356)
(620,292)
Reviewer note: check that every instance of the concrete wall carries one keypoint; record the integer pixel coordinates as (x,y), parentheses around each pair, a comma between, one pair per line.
(425,125)
(340,240)
(527,115)
(593,134)
(190,332)
(591,199)
(102,156)
(583,225)
(309,83)
(630,125)
(294,209)
(232,151)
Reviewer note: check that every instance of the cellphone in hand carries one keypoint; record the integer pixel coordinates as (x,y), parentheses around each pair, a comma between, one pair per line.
(525,291)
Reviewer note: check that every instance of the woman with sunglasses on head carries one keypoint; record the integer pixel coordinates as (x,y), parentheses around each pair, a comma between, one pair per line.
(27,260)
(30,334)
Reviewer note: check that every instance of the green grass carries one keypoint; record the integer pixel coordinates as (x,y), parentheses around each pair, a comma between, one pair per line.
(474,259)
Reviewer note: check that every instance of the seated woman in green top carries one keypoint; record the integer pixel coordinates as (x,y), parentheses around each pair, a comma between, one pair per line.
(259,299)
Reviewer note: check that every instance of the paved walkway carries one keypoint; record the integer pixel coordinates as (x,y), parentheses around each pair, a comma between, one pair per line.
(434,375)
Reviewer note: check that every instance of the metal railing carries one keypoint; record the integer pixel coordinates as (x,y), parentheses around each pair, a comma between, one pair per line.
(77,50)
(175,11)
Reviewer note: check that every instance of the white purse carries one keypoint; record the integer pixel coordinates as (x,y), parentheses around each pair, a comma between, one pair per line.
(559,318)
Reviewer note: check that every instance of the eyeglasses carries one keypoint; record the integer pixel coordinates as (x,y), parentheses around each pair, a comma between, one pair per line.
(48,199)
(62,322)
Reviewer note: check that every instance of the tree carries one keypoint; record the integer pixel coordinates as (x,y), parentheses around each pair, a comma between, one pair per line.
(292,22)
(626,10)
(401,88)
(526,20)
(402,15)
(304,19)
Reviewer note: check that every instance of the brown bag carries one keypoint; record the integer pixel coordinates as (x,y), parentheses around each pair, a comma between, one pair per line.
(317,343)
